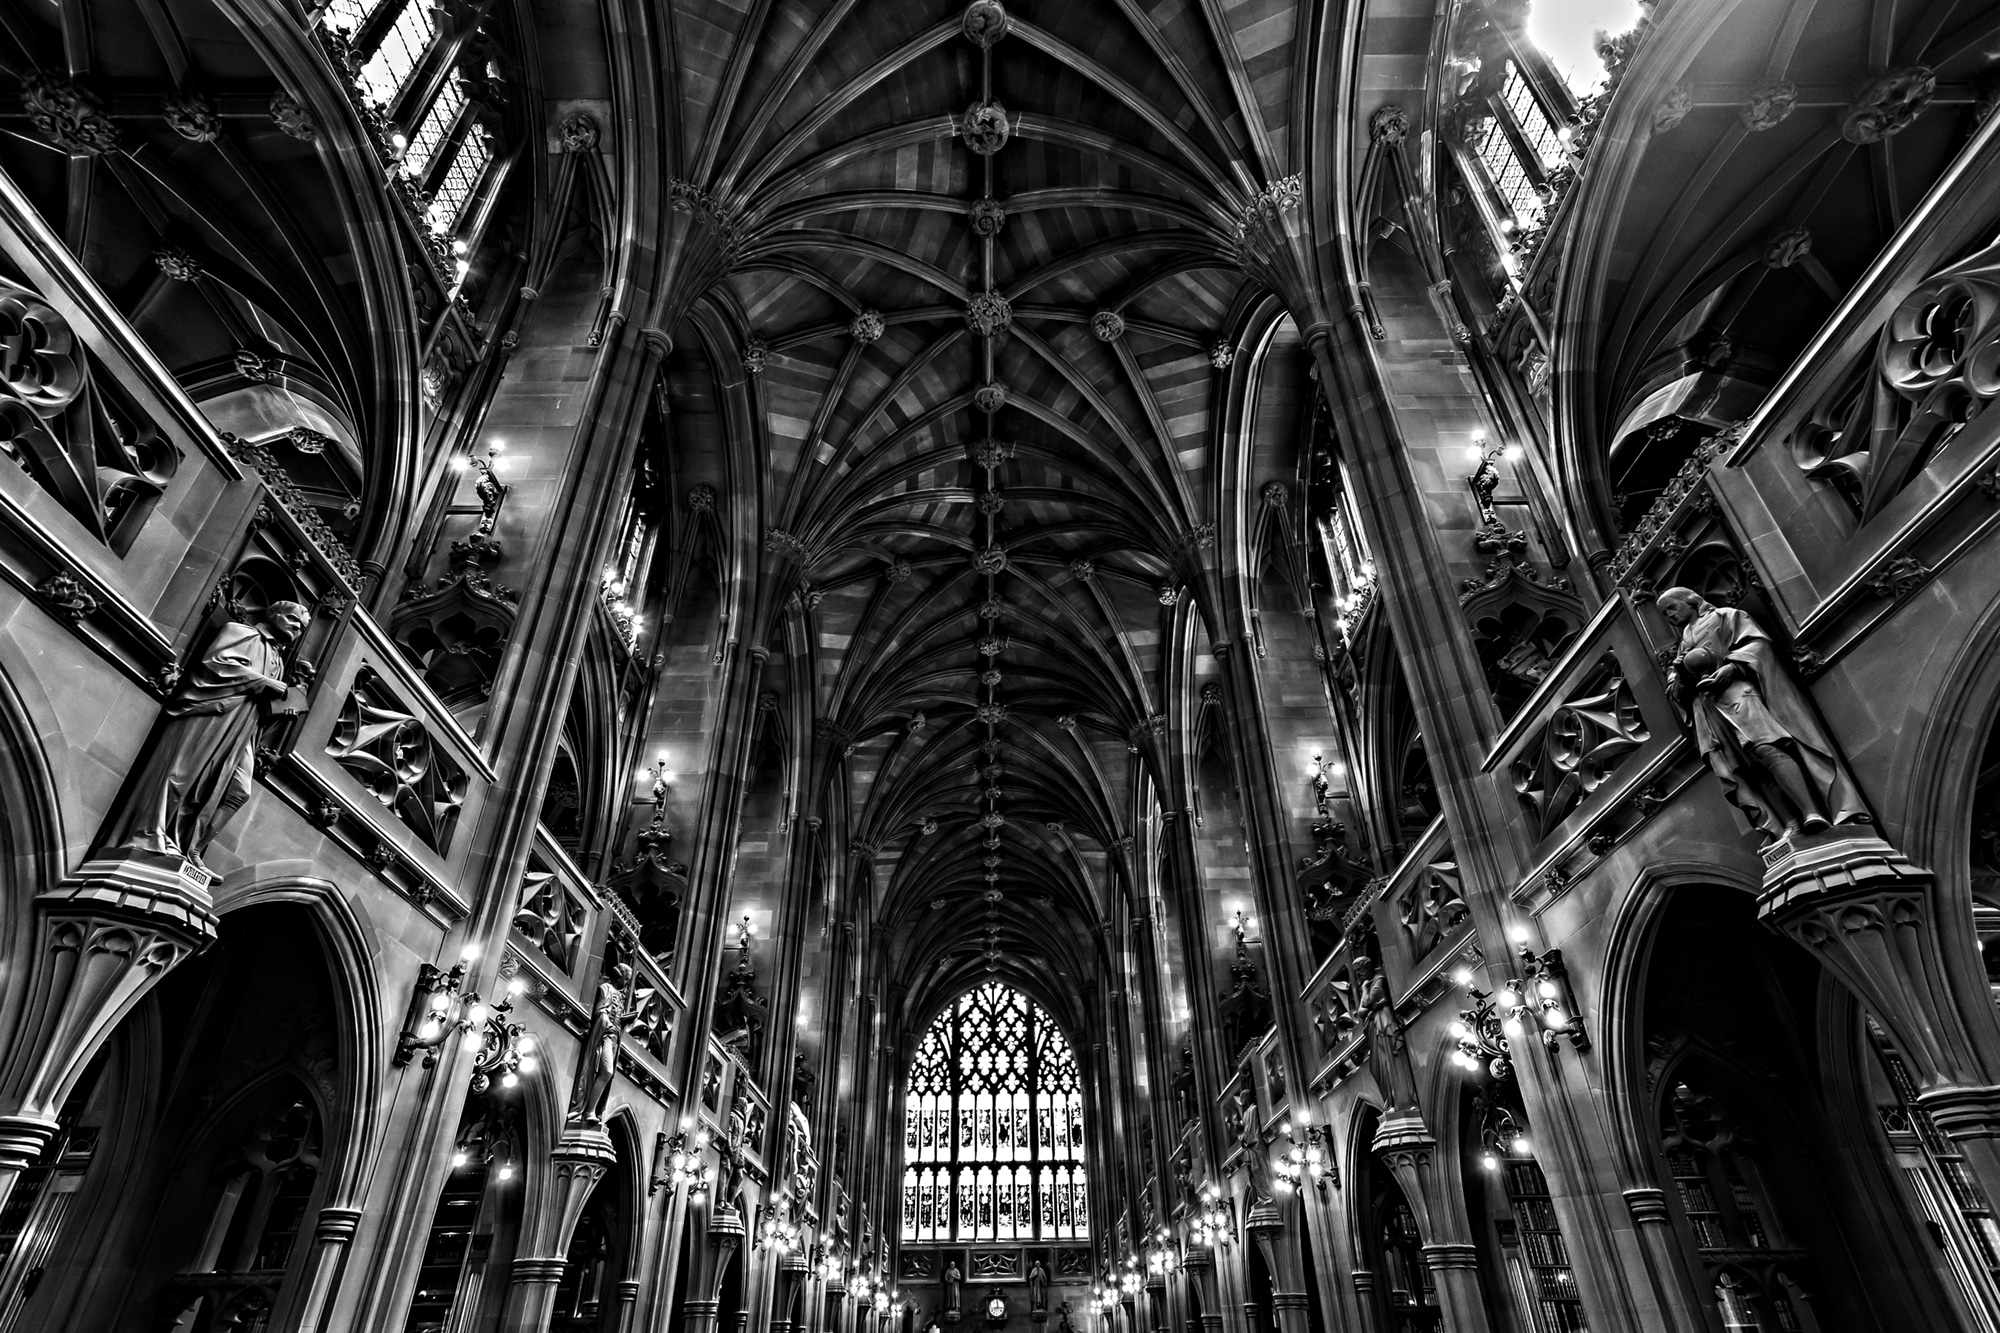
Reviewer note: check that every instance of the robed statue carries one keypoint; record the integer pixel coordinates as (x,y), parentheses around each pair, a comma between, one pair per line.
(1388,1054)
(597,1068)
(1038,1287)
(952,1279)
(200,761)
(1753,724)
(1256,1157)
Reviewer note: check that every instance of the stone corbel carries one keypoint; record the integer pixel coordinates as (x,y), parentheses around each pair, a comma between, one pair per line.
(1868,914)
(105,937)
(1407,1148)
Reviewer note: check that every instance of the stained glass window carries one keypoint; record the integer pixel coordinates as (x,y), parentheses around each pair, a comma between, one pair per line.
(993,1126)
(396,56)
(435,128)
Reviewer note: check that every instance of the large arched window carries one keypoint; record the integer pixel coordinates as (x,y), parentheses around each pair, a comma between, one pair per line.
(993,1126)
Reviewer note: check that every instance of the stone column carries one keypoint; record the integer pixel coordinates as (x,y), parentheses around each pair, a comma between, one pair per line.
(581,1158)
(723,1236)
(1364,1296)
(1407,1148)
(330,1243)
(1279,1245)
(1673,1286)
(626,1294)
(104,938)
(1869,915)
(1200,1268)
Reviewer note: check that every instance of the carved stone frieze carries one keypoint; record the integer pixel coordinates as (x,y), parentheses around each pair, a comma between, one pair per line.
(391,753)
(1586,739)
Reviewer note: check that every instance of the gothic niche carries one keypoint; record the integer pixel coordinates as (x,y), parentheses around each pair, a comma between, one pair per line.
(454,630)
(740,1011)
(1246,1009)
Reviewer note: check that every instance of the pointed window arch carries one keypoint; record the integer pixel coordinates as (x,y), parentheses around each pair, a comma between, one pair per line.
(993,1143)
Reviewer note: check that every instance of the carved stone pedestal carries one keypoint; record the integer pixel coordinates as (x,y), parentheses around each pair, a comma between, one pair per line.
(1869,915)
(792,1272)
(104,937)
(1200,1266)
(723,1236)
(1407,1148)
(581,1158)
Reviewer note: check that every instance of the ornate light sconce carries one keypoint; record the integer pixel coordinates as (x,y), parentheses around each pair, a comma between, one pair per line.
(489,488)
(1306,1157)
(1538,998)
(435,1010)
(1214,1225)
(501,1047)
(1322,784)
(1502,1134)
(1161,1256)
(681,1161)
(776,1229)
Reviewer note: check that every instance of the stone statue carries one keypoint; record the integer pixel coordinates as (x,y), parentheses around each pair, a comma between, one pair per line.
(1753,723)
(1038,1286)
(595,1071)
(952,1279)
(200,761)
(1256,1157)
(1388,1058)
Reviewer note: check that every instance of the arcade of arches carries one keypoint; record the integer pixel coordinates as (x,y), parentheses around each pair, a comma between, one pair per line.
(1125,666)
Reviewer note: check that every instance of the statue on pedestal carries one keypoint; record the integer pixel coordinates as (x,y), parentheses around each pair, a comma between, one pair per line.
(1754,725)
(599,1063)
(1388,1056)
(1038,1288)
(952,1279)
(1256,1157)
(200,760)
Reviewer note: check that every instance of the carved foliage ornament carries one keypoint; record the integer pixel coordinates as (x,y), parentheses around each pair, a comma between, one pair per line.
(1108,326)
(1934,366)
(1889,105)
(389,751)
(66,114)
(985,23)
(988,313)
(990,398)
(987,217)
(986,128)
(1768,105)
(867,326)
(578,132)
(192,116)
(1390,125)
(290,115)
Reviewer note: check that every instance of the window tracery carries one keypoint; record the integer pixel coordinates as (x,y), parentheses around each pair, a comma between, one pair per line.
(993,1140)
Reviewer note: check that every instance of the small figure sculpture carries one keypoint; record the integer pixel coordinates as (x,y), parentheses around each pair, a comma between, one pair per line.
(1754,725)
(952,1279)
(599,1065)
(1038,1287)
(1388,1058)
(201,758)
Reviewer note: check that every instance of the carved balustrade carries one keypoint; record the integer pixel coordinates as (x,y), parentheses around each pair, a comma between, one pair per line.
(1874,462)
(725,1080)
(1597,730)
(384,767)
(653,1006)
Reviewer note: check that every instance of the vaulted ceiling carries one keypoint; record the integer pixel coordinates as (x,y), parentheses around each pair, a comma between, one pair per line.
(985,262)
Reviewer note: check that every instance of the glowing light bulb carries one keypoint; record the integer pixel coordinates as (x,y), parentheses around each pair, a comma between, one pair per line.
(529,1064)
(458,1158)
(526,1043)
(476,1015)
(1463,976)
(440,1001)
(1521,1144)
(507,1172)
(509,1080)
(468,953)
(516,986)
(1490,1162)
(1507,998)
(472,1042)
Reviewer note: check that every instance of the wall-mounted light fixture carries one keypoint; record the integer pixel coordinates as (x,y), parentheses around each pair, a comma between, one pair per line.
(1213,1225)
(435,1010)
(1306,1158)
(1538,998)
(502,1049)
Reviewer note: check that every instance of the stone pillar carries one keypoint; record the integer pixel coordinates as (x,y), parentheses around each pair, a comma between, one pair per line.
(1200,1268)
(104,938)
(626,1294)
(1279,1245)
(330,1243)
(1869,915)
(581,1158)
(792,1273)
(1673,1288)
(1364,1296)
(723,1236)
(1407,1148)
